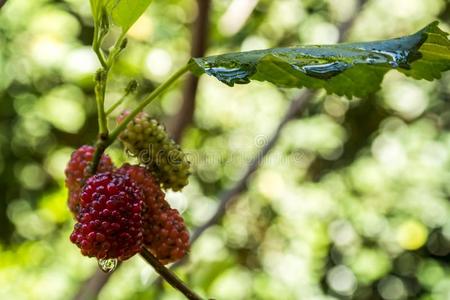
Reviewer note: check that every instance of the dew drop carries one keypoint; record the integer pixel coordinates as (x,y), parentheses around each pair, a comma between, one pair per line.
(107,265)
(324,71)
(230,76)
(394,64)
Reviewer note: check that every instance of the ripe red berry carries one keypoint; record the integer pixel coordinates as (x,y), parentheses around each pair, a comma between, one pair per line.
(145,180)
(77,172)
(109,221)
(165,233)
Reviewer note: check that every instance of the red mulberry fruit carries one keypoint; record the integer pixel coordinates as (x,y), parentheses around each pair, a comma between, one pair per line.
(165,233)
(109,221)
(77,172)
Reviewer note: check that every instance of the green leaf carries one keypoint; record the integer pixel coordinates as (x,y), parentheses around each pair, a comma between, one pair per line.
(350,69)
(125,13)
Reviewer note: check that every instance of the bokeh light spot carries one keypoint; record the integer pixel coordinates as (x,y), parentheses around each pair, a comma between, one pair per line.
(412,235)
(342,280)
(392,288)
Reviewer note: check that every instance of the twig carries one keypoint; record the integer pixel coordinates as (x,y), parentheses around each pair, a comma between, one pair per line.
(169,276)
(131,87)
(99,34)
(2,2)
(199,43)
(100,91)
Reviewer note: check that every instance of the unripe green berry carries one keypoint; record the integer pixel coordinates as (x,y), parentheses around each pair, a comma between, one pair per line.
(146,139)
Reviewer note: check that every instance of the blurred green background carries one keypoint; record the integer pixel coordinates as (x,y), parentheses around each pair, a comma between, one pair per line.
(352,203)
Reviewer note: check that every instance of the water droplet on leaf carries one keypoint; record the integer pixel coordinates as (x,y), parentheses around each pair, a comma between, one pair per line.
(107,265)
(394,64)
(230,76)
(325,71)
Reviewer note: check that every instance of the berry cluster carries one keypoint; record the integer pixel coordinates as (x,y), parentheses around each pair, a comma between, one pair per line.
(120,211)
(146,139)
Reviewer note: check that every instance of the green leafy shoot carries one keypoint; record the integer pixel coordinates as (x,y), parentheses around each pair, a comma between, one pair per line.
(124,13)
(350,69)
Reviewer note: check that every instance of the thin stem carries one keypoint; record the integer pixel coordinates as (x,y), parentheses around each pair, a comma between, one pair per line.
(99,149)
(105,141)
(146,101)
(117,103)
(131,87)
(102,77)
(101,80)
(101,56)
(96,44)
(100,90)
(169,276)
(118,47)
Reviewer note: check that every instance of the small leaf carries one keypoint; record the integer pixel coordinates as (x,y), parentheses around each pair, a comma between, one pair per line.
(125,13)
(350,69)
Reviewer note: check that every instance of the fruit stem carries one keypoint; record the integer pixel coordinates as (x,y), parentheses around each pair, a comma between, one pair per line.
(101,79)
(169,276)
(100,147)
(104,140)
(146,101)
(100,90)
(96,43)
(132,86)
(120,45)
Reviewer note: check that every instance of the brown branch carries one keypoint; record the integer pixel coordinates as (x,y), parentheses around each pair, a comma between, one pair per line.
(296,108)
(2,2)
(199,43)
(169,276)
(93,285)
